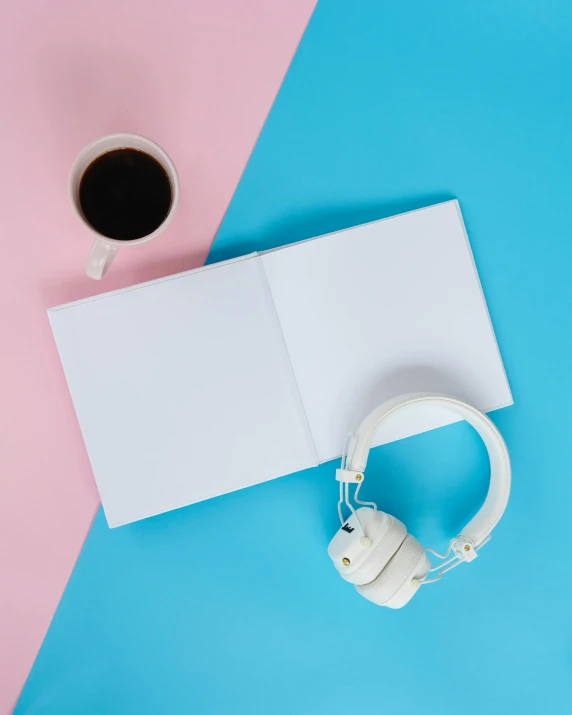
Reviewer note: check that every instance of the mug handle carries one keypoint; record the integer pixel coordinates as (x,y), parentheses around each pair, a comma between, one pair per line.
(100,258)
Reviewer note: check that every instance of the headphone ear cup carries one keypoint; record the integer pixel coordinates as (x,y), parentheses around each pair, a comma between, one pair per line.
(381,553)
(393,587)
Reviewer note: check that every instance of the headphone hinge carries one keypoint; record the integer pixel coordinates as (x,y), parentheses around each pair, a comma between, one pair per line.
(464,549)
(347,475)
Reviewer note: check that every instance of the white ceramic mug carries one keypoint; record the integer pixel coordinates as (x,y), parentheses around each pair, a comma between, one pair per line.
(104,248)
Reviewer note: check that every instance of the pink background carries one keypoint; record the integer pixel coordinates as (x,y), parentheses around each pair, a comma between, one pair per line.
(197,76)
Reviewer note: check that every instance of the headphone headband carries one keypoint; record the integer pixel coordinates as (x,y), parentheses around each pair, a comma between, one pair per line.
(480,527)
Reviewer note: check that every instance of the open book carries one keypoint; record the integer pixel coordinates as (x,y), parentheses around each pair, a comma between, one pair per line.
(226,376)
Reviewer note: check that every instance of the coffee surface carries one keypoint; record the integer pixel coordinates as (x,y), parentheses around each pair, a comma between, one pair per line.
(125,194)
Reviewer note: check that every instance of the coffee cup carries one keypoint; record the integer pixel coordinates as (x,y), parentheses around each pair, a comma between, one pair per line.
(124,189)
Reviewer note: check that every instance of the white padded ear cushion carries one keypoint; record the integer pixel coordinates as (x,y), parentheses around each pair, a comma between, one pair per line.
(393,587)
(380,555)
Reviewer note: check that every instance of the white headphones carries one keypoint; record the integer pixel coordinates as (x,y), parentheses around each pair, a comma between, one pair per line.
(372,549)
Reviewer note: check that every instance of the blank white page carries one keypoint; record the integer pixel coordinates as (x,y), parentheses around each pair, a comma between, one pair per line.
(183,389)
(383,309)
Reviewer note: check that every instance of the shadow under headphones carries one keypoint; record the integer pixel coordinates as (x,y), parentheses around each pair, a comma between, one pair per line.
(372,549)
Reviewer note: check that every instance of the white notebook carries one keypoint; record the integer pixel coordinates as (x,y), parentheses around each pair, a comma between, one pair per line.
(216,379)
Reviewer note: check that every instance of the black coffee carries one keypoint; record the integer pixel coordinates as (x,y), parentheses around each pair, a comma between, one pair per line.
(125,194)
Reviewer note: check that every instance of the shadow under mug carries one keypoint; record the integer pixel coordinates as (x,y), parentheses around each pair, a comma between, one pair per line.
(104,249)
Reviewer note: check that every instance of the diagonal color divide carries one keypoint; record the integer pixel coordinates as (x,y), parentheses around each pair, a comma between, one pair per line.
(199,78)
(231,606)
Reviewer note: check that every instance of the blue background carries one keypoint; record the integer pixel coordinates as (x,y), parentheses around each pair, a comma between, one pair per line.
(231,606)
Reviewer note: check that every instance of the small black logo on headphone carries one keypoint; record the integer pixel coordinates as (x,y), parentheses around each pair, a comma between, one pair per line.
(348,528)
